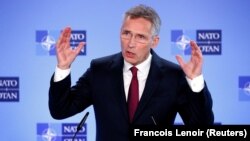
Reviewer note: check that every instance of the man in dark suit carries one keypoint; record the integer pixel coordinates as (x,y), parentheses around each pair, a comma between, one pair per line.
(163,88)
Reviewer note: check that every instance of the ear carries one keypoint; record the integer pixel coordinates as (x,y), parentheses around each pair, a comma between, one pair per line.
(155,41)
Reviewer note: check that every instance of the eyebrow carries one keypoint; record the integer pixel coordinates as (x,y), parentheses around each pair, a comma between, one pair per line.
(141,34)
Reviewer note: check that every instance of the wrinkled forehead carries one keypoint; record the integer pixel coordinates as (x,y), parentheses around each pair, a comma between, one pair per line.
(138,17)
(139,25)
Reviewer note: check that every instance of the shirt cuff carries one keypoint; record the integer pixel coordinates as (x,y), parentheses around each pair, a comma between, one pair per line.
(60,74)
(196,84)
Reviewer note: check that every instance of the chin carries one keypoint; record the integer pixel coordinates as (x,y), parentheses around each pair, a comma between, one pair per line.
(130,60)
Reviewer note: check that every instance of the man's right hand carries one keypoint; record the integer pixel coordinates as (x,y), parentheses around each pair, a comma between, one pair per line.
(65,54)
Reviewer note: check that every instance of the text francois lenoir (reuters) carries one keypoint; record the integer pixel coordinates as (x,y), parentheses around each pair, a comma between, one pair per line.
(193,133)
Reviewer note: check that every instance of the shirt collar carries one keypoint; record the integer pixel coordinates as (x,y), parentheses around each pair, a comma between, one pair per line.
(145,65)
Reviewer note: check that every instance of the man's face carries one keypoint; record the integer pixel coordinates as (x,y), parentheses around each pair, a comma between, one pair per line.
(137,40)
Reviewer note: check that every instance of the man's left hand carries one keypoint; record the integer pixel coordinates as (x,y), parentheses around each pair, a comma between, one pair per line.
(193,67)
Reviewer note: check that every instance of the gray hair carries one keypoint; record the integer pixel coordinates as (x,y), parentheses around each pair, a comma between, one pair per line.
(146,12)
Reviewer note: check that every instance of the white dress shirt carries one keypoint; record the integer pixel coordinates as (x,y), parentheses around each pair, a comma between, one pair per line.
(196,84)
(142,74)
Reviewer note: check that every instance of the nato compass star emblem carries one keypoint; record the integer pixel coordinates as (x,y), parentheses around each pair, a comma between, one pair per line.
(247,88)
(183,42)
(48,42)
(49,135)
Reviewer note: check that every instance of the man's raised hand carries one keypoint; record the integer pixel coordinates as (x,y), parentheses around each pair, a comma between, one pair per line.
(65,54)
(193,67)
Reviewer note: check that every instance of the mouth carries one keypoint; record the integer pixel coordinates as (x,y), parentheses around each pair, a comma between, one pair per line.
(130,54)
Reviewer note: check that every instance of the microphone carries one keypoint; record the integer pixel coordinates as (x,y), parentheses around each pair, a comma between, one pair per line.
(153,119)
(79,127)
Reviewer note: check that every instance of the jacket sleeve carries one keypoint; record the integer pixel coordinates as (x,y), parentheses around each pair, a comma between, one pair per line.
(195,108)
(66,101)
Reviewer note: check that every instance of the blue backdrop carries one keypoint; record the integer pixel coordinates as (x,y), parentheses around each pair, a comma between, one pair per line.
(26,65)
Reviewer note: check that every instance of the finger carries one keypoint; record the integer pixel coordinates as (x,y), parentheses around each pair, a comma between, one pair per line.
(67,34)
(180,60)
(194,46)
(79,47)
(62,39)
(195,49)
(66,37)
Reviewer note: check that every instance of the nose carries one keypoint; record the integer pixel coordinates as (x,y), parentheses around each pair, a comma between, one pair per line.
(132,42)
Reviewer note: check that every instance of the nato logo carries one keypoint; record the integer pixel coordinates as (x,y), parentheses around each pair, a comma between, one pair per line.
(9,89)
(60,132)
(244,88)
(46,41)
(209,41)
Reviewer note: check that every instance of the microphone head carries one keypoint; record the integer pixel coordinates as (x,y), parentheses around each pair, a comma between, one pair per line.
(79,127)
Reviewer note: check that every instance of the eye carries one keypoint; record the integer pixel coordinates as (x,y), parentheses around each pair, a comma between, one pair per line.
(141,37)
(125,33)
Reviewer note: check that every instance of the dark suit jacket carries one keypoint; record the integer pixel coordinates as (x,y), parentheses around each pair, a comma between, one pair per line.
(166,93)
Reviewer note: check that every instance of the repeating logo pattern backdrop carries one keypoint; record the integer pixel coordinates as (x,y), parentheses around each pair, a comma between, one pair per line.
(209,41)
(9,89)
(60,132)
(46,41)
(29,34)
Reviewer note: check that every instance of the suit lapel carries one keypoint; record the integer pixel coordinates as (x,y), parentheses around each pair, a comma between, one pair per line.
(116,69)
(152,82)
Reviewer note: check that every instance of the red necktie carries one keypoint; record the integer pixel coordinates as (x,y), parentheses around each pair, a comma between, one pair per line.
(133,94)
